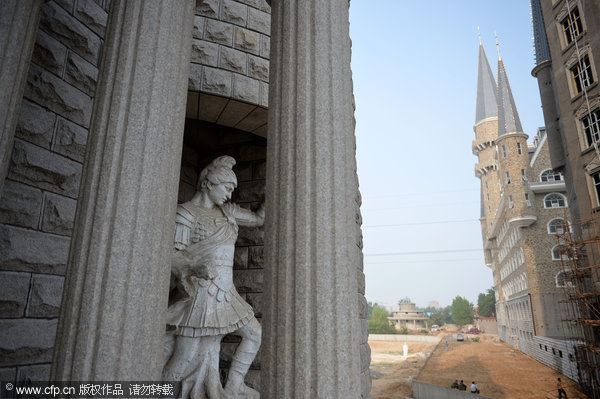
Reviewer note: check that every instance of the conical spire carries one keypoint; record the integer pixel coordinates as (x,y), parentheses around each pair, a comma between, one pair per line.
(508,117)
(542,50)
(487,106)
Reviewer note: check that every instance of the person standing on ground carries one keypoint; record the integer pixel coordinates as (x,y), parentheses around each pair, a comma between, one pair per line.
(561,391)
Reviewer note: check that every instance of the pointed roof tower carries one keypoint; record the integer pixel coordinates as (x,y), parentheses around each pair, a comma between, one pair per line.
(508,117)
(487,105)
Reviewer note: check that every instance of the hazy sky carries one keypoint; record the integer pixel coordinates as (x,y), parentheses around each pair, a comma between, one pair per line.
(415,76)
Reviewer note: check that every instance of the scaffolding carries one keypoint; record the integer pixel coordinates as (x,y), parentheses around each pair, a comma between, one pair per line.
(579,251)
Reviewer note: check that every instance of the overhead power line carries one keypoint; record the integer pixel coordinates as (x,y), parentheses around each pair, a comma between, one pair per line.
(405,261)
(443,251)
(420,223)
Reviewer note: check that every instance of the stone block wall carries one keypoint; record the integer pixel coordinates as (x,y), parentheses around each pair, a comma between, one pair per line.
(37,206)
(230,50)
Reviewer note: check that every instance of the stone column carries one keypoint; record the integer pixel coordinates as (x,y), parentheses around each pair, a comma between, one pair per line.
(311,328)
(18,27)
(112,319)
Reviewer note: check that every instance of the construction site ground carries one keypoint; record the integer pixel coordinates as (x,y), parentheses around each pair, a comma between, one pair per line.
(498,370)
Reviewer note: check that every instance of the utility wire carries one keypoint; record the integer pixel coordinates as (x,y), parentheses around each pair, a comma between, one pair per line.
(420,223)
(443,251)
(423,261)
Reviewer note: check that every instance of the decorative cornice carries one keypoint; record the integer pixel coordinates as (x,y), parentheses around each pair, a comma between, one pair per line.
(565,10)
(574,58)
(593,165)
(582,111)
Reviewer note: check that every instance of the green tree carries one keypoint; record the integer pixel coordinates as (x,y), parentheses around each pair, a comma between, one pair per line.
(370,307)
(487,303)
(379,323)
(462,311)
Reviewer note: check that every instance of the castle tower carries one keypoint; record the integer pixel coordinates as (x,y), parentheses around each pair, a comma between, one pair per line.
(513,158)
(486,132)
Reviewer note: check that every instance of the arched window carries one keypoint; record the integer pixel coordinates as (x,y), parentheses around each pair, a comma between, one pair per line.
(560,252)
(557,226)
(562,279)
(554,200)
(549,176)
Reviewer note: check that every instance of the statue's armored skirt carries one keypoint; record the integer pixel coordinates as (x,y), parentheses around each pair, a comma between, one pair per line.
(213,306)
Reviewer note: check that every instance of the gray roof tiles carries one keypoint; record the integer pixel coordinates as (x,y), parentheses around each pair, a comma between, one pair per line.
(508,117)
(487,105)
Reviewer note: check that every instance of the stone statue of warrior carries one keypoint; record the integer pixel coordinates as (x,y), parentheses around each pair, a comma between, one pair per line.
(202,263)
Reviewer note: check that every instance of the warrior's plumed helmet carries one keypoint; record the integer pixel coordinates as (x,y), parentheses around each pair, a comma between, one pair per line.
(218,171)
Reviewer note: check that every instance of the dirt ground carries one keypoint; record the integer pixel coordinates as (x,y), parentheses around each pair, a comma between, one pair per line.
(393,373)
(498,369)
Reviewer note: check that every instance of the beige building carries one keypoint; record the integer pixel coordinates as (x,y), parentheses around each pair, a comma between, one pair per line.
(408,316)
(567,55)
(523,208)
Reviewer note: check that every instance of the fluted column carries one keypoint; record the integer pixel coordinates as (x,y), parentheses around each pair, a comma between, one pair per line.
(113,314)
(18,27)
(311,338)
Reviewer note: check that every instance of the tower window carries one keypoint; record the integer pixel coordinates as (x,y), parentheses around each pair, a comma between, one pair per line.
(554,200)
(527,202)
(560,252)
(507,178)
(488,196)
(519,150)
(549,176)
(591,126)
(486,185)
(572,26)
(504,151)
(511,203)
(556,226)
(582,74)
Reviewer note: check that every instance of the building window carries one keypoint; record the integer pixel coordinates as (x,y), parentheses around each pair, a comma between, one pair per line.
(486,185)
(511,204)
(596,179)
(572,26)
(527,202)
(560,252)
(557,226)
(591,126)
(519,150)
(507,178)
(549,175)
(554,200)
(504,151)
(488,196)
(562,279)
(489,209)
(581,74)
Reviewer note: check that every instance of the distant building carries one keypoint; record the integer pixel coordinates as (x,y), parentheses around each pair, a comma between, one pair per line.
(408,316)
(433,304)
(523,207)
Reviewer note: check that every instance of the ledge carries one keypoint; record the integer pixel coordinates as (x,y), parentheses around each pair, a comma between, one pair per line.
(548,187)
